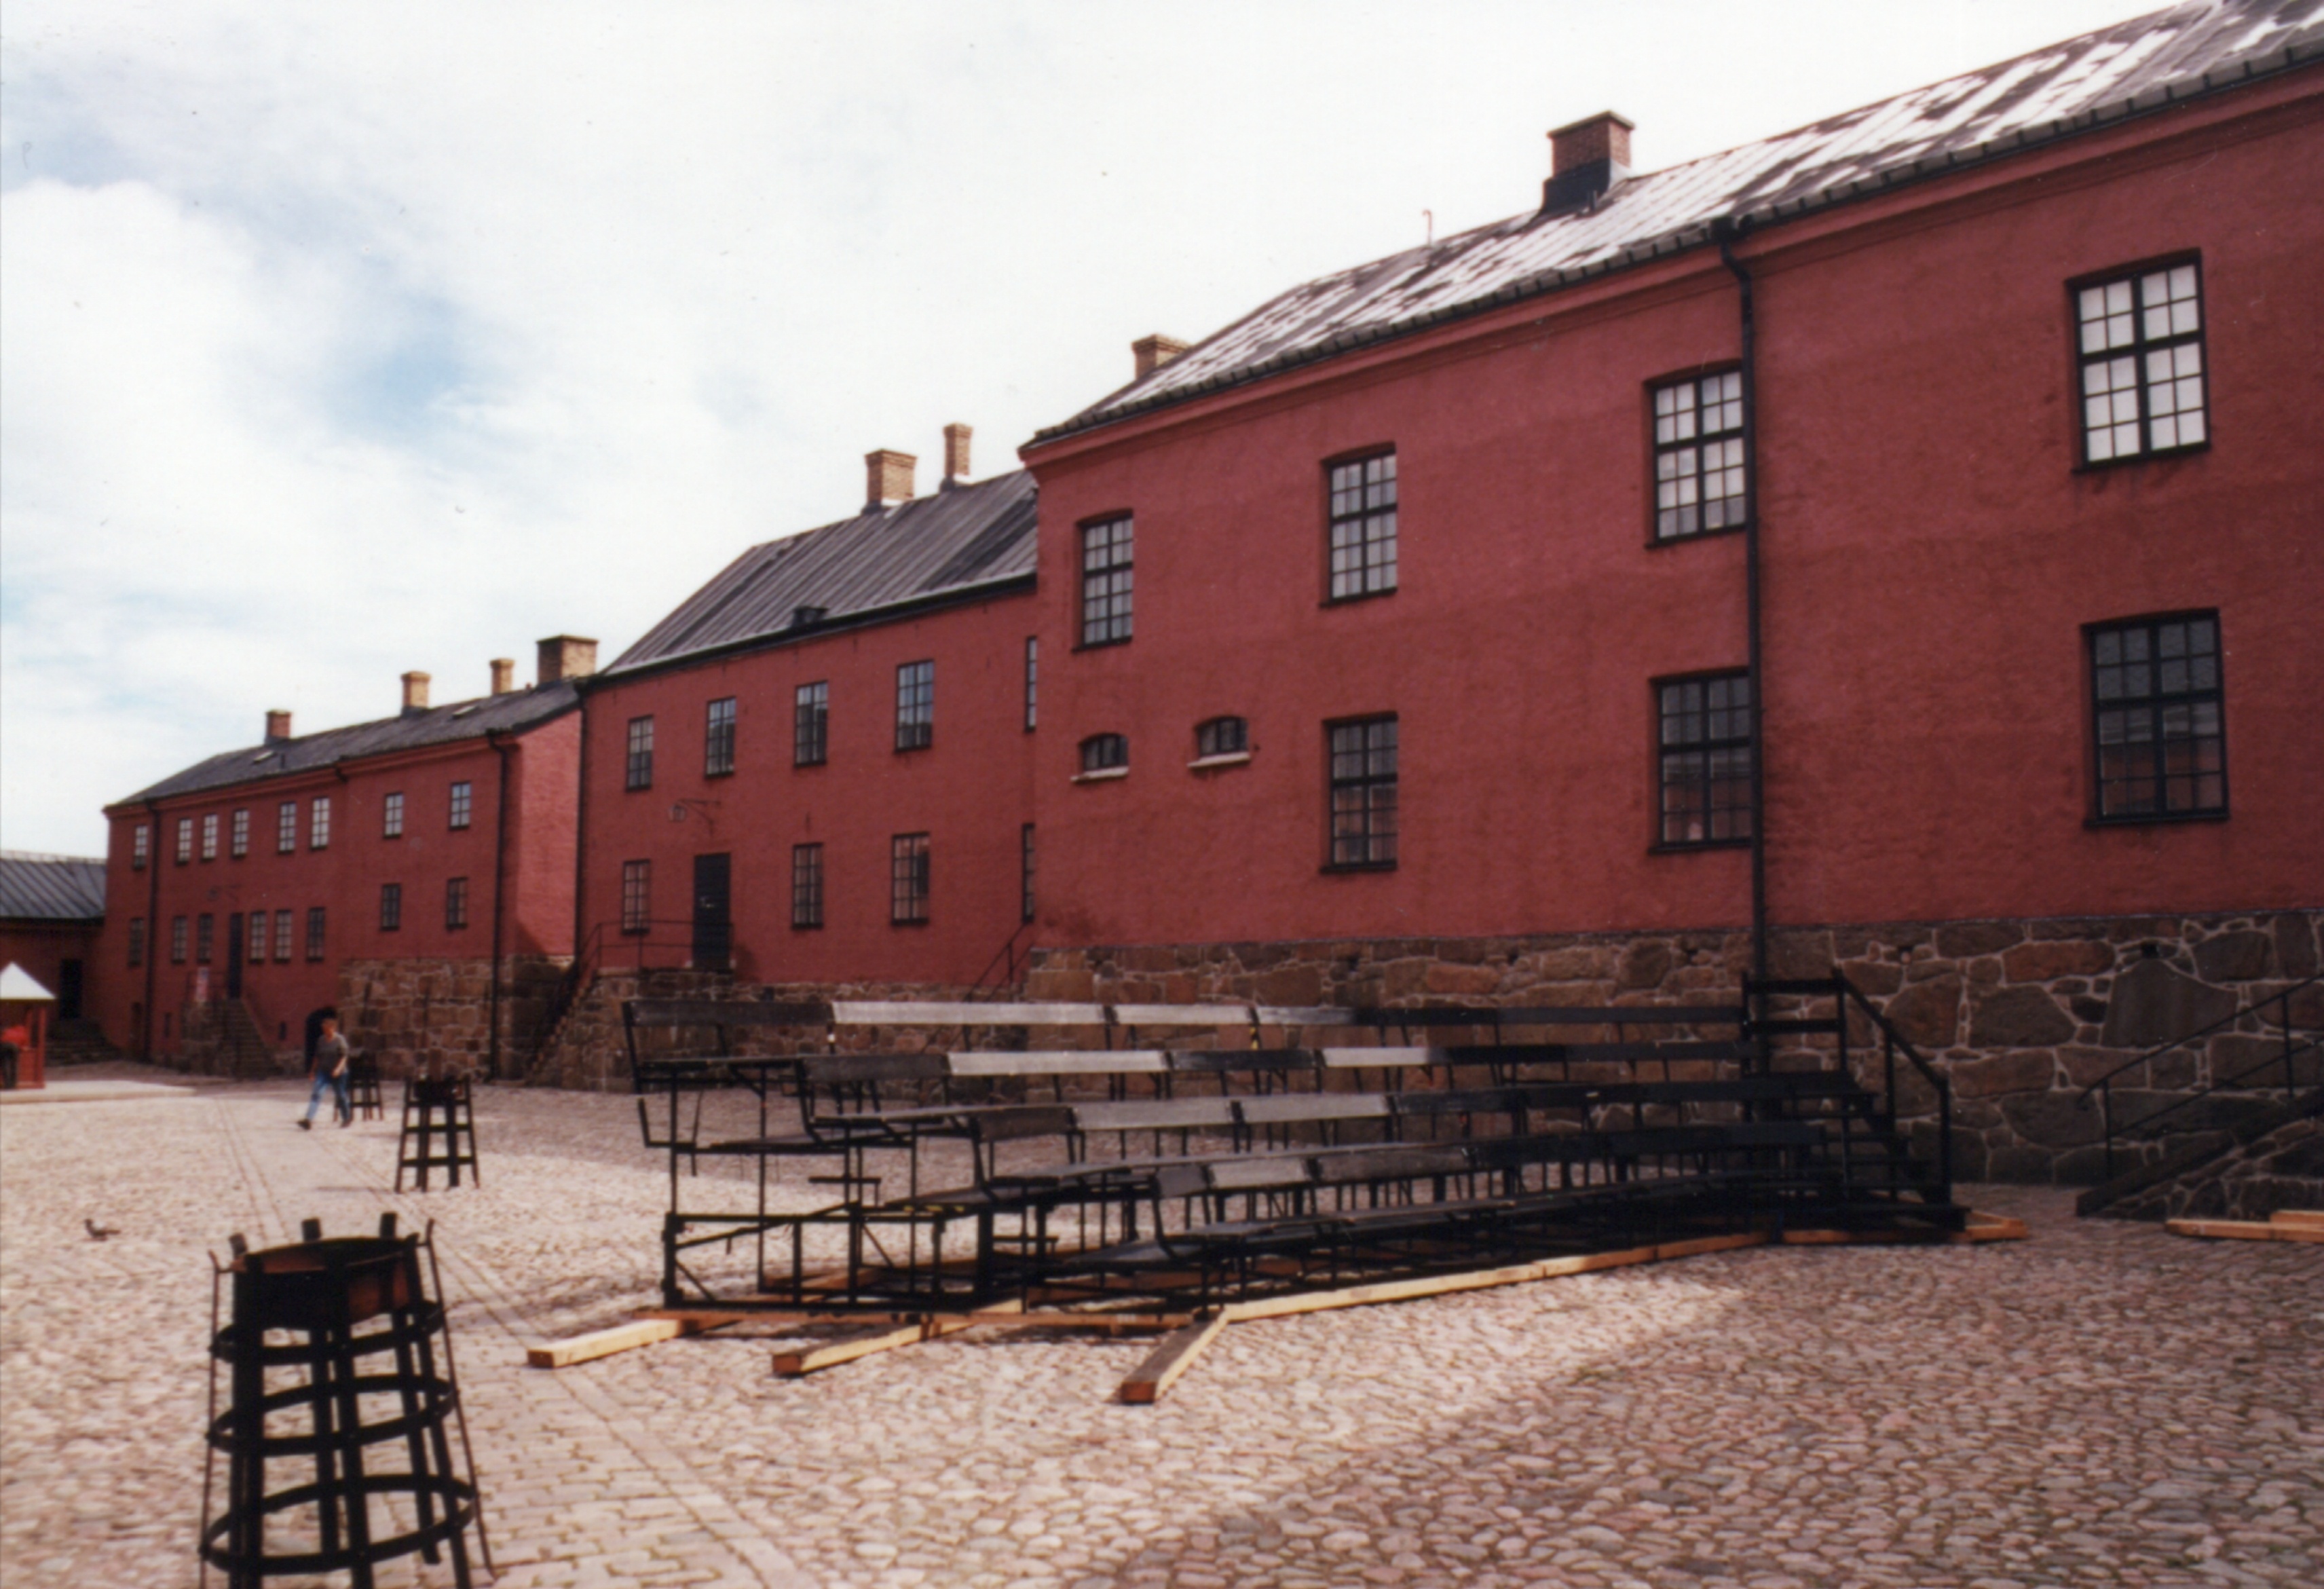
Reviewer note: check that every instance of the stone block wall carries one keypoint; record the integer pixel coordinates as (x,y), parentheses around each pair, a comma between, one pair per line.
(409,1011)
(2020,1014)
(2282,1167)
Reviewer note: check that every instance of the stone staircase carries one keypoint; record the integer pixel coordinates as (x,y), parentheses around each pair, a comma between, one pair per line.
(79,1042)
(2272,1158)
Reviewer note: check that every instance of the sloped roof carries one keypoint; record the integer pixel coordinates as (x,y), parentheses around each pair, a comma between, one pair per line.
(2086,82)
(959,540)
(51,888)
(514,713)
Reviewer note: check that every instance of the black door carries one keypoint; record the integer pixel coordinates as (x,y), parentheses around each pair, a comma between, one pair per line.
(714,932)
(69,976)
(233,956)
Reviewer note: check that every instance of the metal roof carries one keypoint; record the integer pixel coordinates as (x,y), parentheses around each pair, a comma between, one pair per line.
(51,888)
(962,538)
(514,713)
(2086,82)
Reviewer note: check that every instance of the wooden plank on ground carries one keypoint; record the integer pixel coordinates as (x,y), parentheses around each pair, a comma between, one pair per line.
(1172,1358)
(1993,1227)
(2305,1219)
(2278,1229)
(791,1366)
(624,1337)
(1702,1245)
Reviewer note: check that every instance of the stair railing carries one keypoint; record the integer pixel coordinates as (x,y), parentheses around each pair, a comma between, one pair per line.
(2291,1049)
(1004,958)
(1845,996)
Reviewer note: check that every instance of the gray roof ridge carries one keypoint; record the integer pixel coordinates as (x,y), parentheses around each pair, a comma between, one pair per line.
(1169,385)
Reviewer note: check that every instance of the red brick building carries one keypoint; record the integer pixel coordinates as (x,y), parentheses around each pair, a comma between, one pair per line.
(416,872)
(815,769)
(52,910)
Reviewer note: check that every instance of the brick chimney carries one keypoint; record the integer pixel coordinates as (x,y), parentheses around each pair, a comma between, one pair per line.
(1153,352)
(956,453)
(503,675)
(889,478)
(1587,160)
(278,725)
(415,692)
(567,656)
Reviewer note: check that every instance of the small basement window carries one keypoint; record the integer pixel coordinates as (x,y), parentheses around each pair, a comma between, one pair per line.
(1222,742)
(1104,755)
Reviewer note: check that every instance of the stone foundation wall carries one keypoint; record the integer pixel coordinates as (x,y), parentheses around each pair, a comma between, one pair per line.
(2282,1168)
(2020,1014)
(409,1012)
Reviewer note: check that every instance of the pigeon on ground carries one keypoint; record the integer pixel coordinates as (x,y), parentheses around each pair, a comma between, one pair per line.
(98,1233)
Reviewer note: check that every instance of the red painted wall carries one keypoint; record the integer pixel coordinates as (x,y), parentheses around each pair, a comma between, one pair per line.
(968,791)
(344,878)
(1930,555)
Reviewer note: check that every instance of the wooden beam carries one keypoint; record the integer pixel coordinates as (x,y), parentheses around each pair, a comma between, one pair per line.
(626,1337)
(2244,1230)
(1172,1358)
(2306,1219)
(791,1366)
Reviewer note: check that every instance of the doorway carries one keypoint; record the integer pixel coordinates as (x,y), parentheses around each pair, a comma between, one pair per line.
(714,931)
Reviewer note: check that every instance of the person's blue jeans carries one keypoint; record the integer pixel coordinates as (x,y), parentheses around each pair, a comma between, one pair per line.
(337,1085)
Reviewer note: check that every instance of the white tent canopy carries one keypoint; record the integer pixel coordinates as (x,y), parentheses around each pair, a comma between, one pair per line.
(18,985)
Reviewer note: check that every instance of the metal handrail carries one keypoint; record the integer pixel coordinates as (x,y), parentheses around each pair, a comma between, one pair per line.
(2222,1024)
(1008,952)
(1843,994)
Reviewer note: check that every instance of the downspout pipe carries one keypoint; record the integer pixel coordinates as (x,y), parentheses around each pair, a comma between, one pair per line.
(1728,231)
(504,745)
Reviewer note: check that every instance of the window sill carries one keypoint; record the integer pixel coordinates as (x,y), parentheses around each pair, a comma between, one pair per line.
(2100,465)
(1332,867)
(1690,847)
(1658,542)
(1231,758)
(923,922)
(1358,600)
(807,927)
(2154,819)
(1099,645)
(1103,775)
(721,772)
(798,766)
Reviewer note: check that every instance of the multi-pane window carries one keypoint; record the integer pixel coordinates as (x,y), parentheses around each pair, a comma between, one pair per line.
(286,827)
(2156,708)
(177,940)
(718,738)
(140,845)
(209,837)
(637,896)
(807,885)
(1025,873)
(390,907)
(136,940)
(256,954)
(281,935)
(1698,462)
(1106,578)
(916,705)
(456,903)
(1222,736)
(238,844)
(1106,753)
(1363,792)
(390,818)
(2141,351)
(1032,681)
(1363,526)
(639,773)
(205,937)
(319,826)
(907,878)
(462,803)
(1703,736)
(185,840)
(315,932)
(811,724)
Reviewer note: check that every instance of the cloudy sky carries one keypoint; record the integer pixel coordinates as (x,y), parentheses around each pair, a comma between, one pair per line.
(338,340)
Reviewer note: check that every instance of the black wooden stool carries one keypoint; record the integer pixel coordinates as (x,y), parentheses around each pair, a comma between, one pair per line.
(312,1296)
(362,1088)
(439,1130)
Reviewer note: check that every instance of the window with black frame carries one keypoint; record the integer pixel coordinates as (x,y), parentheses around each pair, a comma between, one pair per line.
(1363,792)
(637,896)
(718,738)
(462,803)
(258,950)
(2140,348)
(137,940)
(286,827)
(806,886)
(1025,873)
(391,910)
(638,770)
(907,880)
(811,724)
(456,903)
(1032,681)
(315,932)
(1699,462)
(2157,711)
(1703,739)
(282,920)
(916,705)
(238,843)
(1107,581)
(1105,752)
(391,816)
(1363,527)
(1222,736)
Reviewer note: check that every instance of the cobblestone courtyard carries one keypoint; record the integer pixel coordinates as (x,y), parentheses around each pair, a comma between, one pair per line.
(2104,1404)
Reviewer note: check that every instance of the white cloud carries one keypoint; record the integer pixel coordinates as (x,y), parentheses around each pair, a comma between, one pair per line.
(342,340)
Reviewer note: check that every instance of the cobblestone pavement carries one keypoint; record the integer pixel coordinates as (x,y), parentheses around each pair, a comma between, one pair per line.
(2102,1405)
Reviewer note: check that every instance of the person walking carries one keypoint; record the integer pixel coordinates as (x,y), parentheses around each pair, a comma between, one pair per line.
(330,1068)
